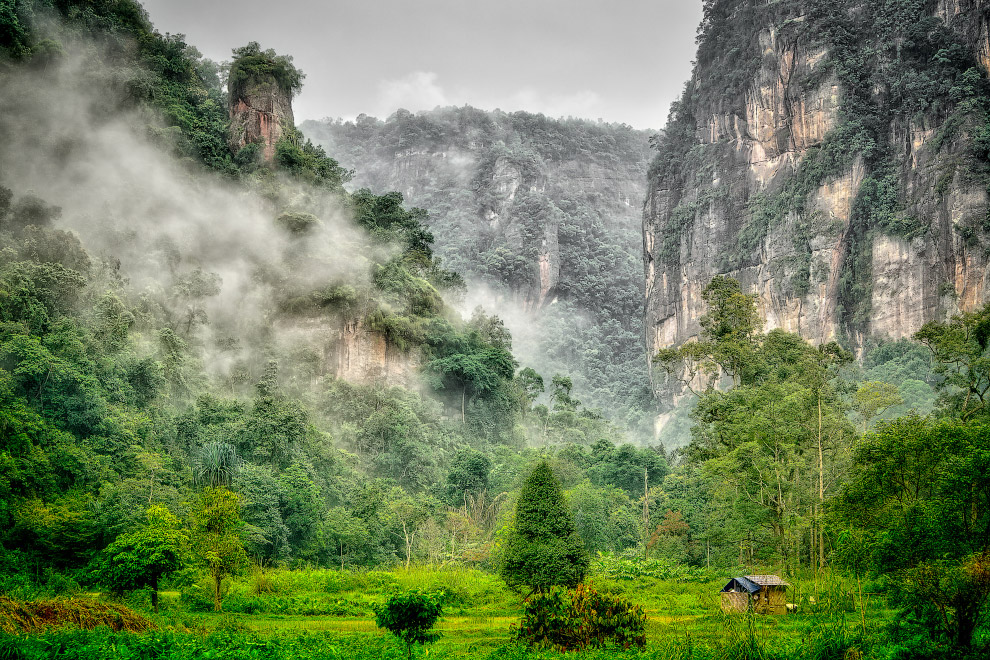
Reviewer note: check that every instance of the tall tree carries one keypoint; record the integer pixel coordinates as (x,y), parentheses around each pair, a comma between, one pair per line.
(143,557)
(216,525)
(543,548)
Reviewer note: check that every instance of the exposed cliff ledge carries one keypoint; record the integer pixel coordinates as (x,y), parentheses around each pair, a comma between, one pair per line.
(259,115)
(809,168)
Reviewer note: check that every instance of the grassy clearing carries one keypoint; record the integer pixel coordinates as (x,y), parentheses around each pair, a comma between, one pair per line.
(326,613)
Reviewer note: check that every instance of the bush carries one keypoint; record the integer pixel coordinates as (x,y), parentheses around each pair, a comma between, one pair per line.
(572,620)
(410,616)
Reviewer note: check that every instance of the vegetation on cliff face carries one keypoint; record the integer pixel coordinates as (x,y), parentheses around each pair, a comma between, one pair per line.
(510,194)
(901,71)
(250,62)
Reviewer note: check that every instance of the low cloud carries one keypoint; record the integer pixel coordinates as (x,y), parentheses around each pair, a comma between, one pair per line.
(417,91)
(422,90)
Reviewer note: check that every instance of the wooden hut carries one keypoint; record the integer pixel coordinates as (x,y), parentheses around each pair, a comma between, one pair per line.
(763,594)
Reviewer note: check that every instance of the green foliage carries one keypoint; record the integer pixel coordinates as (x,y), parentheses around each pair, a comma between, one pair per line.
(543,548)
(961,354)
(297,222)
(873,398)
(217,465)
(252,66)
(582,618)
(921,495)
(142,558)
(410,616)
(216,524)
(306,161)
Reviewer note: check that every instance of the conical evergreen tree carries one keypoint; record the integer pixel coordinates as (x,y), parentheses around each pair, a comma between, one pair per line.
(543,548)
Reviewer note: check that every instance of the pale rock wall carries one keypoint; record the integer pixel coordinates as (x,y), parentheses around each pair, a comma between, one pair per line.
(260,115)
(364,356)
(348,350)
(913,281)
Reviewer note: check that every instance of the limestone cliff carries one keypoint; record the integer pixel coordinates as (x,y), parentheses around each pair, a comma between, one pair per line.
(364,356)
(501,183)
(831,156)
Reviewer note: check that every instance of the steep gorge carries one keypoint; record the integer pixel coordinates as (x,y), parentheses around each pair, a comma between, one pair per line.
(832,157)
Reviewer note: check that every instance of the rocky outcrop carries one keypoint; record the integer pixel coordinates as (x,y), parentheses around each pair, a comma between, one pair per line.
(332,346)
(970,19)
(839,243)
(260,111)
(366,357)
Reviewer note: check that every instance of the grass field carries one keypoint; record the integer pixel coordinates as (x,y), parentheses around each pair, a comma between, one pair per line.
(330,614)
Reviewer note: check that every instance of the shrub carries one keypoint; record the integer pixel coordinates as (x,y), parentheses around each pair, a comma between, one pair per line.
(410,616)
(571,620)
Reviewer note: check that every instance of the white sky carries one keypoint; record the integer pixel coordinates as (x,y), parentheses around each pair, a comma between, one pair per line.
(619,60)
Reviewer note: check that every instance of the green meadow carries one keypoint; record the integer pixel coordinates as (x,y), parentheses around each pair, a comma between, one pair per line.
(330,614)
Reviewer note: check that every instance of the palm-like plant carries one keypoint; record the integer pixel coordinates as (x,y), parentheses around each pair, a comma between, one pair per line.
(217,465)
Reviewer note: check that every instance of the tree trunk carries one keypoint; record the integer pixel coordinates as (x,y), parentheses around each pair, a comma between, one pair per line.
(646,512)
(821,486)
(217,580)
(967,616)
(409,540)
(154,595)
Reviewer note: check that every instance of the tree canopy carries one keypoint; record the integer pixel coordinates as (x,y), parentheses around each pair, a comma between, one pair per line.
(543,548)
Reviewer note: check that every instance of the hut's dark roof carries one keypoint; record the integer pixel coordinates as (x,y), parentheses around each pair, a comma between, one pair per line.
(753,583)
(741,584)
(767,580)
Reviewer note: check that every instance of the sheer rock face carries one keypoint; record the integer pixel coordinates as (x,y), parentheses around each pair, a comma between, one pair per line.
(697,215)
(518,198)
(347,349)
(366,357)
(971,20)
(258,114)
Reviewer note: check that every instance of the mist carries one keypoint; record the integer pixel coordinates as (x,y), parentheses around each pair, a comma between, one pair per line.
(183,243)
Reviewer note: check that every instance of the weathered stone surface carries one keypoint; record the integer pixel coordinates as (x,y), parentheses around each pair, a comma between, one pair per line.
(364,356)
(260,114)
(971,19)
(798,265)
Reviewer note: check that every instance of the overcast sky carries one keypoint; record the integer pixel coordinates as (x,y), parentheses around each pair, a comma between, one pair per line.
(618,60)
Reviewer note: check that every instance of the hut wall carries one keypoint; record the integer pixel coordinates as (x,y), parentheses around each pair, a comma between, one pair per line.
(770,600)
(778,600)
(735,601)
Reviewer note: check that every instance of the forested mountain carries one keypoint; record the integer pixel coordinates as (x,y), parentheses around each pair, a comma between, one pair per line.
(542,217)
(215,356)
(189,299)
(831,156)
